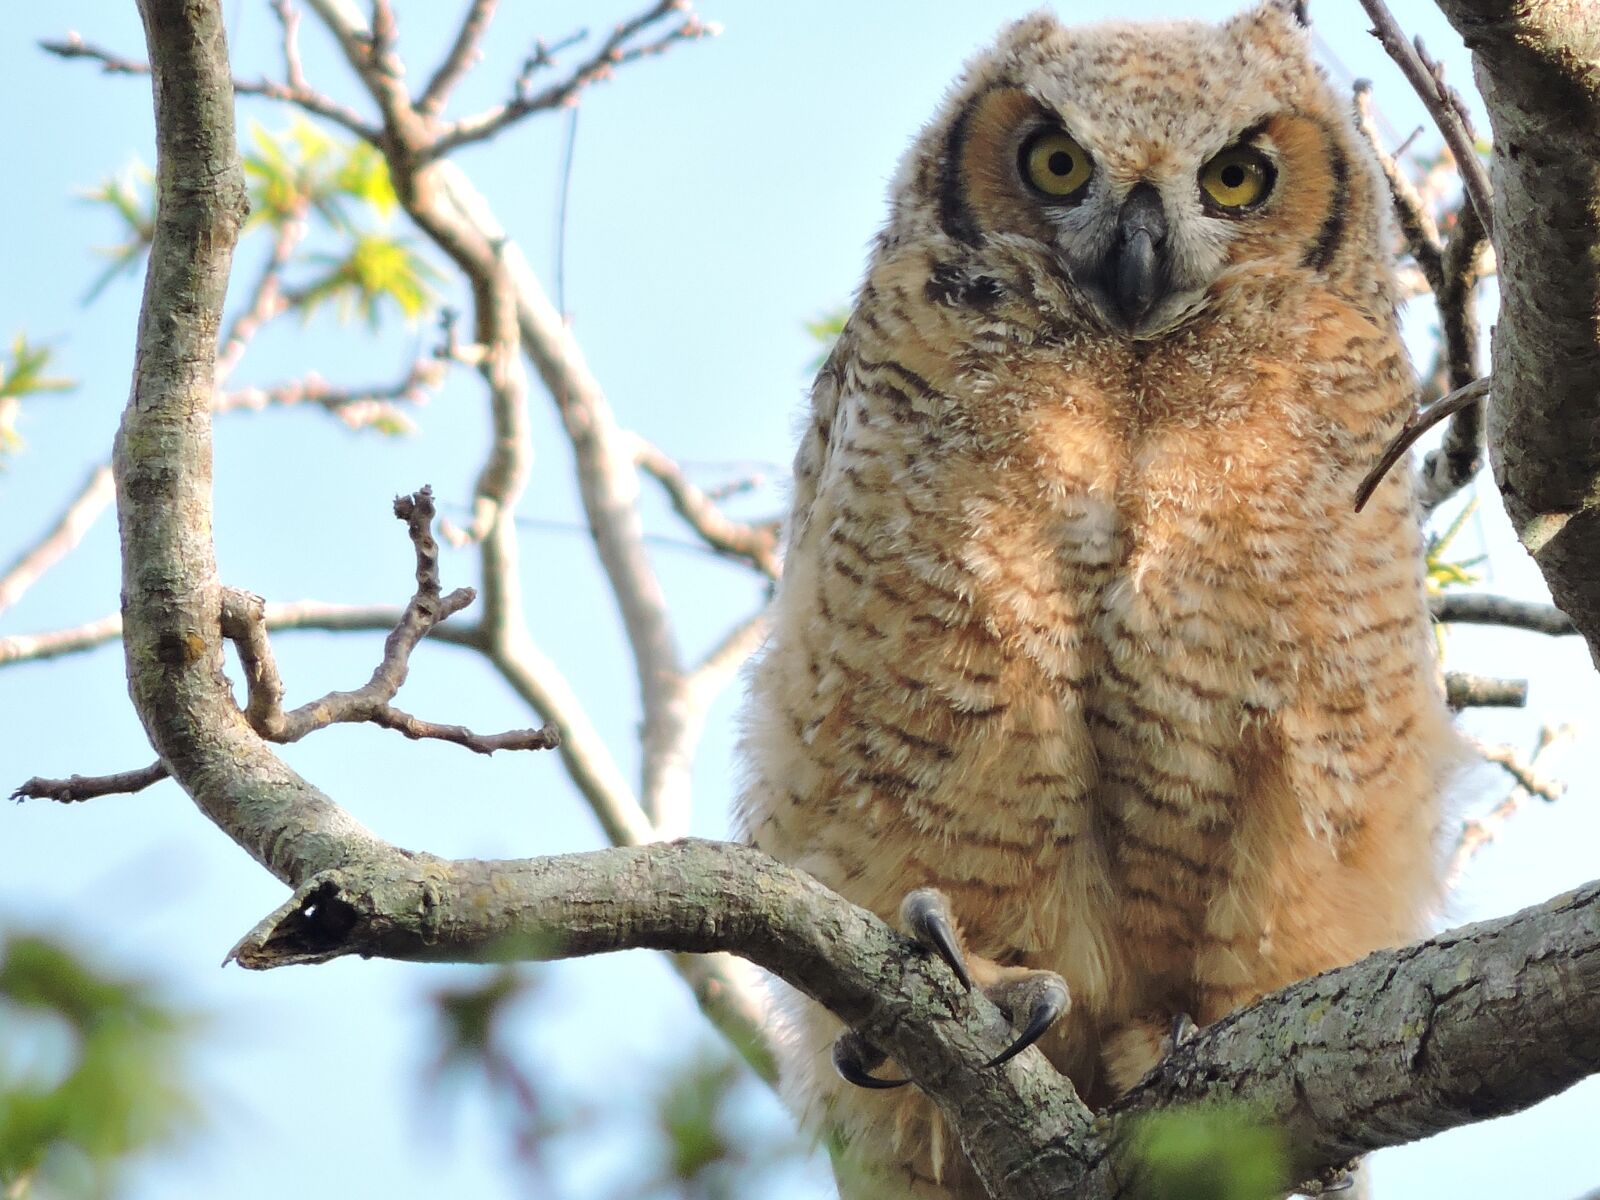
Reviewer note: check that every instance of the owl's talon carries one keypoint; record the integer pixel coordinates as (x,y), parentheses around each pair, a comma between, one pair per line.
(1049,999)
(1331,1181)
(925,913)
(1183,1031)
(854,1059)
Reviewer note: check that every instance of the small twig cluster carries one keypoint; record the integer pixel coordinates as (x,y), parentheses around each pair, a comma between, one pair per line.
(244,623)
(1449,268)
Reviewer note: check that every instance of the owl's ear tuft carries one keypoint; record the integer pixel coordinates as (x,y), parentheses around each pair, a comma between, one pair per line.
(1295,10)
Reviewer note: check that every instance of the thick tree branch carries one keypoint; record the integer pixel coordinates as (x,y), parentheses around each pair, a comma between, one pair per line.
(1537,64)
(1400,1045)
(172,598)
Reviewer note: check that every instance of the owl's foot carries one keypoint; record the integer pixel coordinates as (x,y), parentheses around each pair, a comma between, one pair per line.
(1183,1031)
(1332,1181)
(1038,998)
(855,1059)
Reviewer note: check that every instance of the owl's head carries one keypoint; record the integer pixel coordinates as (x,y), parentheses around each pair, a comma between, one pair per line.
(1141,169)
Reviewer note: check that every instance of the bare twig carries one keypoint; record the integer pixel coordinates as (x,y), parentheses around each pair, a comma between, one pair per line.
(1469,609)
(243,622)
(463,56)
(356,407)
(1417,225)
(1447,108)
(75,520)
(1523,771)
(1458,459)
(617,49)
(267,299)
(723,661)
(88,787)
(73,46)
(1483,691)
(1418,424)
(1478,832)
(756,544)
(290,616)
(546,738)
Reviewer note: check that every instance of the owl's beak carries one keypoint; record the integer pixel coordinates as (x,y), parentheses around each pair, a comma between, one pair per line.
(1136,269)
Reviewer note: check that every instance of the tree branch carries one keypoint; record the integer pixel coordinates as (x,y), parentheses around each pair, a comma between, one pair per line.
(1468,609)
(756,544)
(73,46)
(88,787)
(1402,1044)
(463,56)
(1537,64)
(295,615)
(1482,691)
(76,519)
(1449,113)
(1417,226)
(618,49)
(172,598)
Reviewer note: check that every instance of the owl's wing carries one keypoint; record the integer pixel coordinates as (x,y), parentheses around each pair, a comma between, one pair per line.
(811,459)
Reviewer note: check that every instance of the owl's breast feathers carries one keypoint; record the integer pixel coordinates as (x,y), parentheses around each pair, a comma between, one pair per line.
(1093,641)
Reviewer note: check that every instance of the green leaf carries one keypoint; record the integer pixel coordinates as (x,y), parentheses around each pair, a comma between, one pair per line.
(24,374)
(304,169)
(826,330)
(375,269)
(131,198)
(1209,1154)
(122,1087)
(1443,573)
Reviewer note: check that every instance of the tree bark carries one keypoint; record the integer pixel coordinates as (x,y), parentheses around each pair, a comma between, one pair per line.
(1537,63)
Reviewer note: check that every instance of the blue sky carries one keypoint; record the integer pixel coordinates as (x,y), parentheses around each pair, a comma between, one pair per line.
(722,196)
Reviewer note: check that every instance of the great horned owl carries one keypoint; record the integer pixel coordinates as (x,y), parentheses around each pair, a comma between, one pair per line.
(1080,641)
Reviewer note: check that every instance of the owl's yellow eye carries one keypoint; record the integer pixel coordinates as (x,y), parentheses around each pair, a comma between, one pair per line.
(1055,164)
(1237,178)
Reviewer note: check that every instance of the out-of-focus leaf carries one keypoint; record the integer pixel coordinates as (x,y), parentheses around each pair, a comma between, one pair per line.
(131,198)
(826,330)
(304,169)
(375,269)
(121,1087)
(689,1111)
(1209,1154)
(1444,573)
(23,373)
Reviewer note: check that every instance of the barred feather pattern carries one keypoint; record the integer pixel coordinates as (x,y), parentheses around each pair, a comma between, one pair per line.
(1081,628)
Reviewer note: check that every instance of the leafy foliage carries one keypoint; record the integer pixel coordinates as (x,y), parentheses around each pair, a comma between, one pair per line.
(118,1088)
(303,183)
(1209,1154)
(304,169)
(375,269)
(131,198)
(826,330)
(1442,572)
(695,1134)
(23,373)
